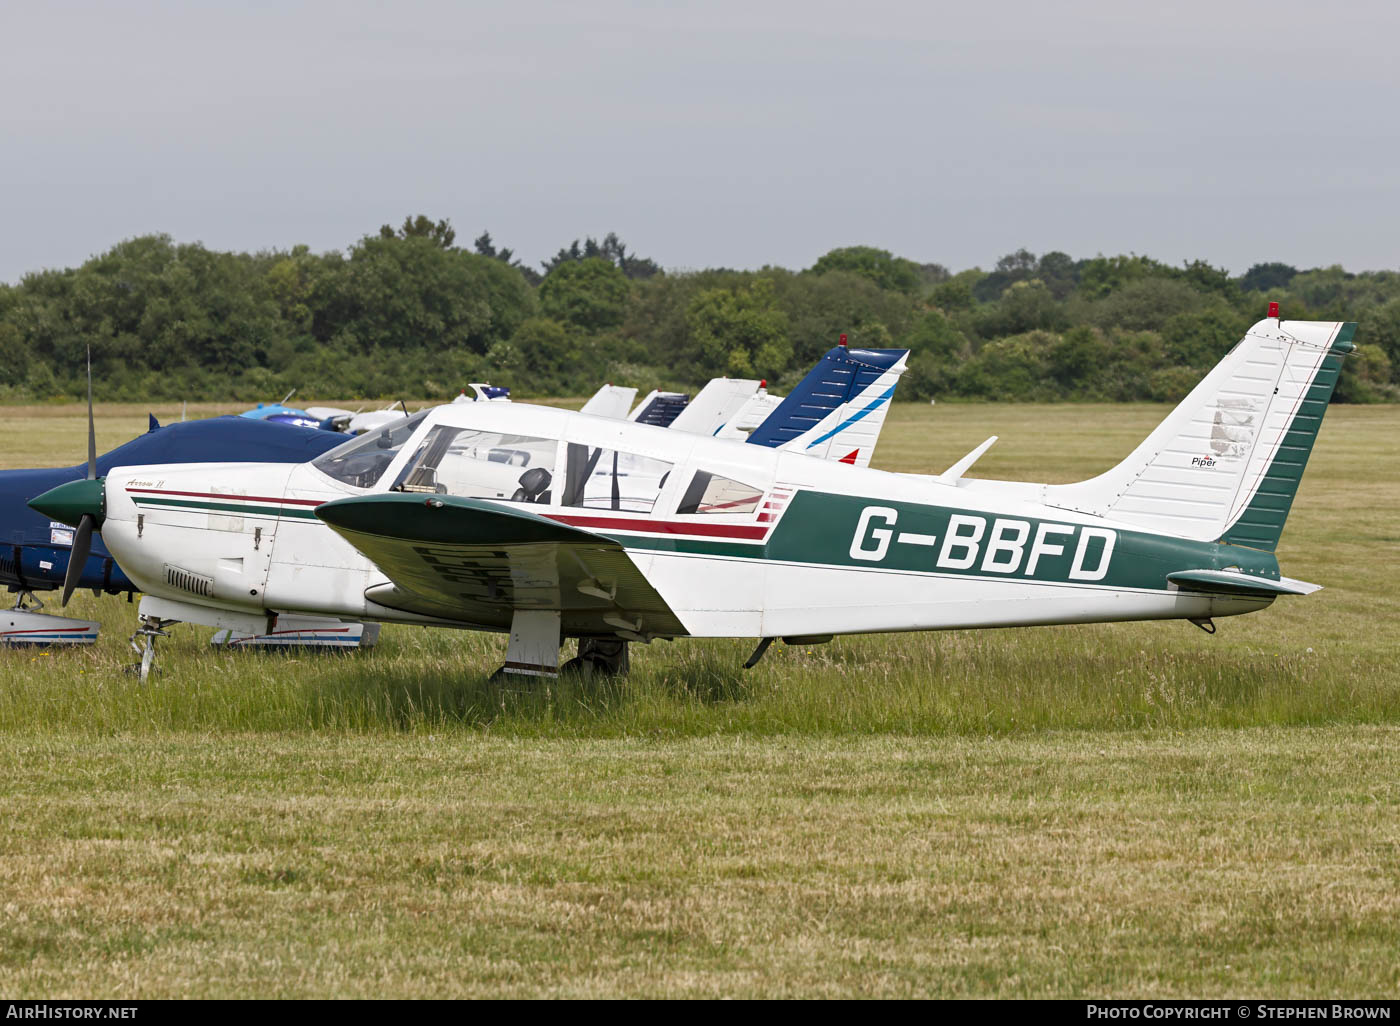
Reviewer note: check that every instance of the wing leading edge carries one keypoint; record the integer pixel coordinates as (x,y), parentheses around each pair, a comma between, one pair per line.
(477,562)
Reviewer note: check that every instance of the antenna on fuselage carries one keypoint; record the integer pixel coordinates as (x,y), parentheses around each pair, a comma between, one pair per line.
(953,474)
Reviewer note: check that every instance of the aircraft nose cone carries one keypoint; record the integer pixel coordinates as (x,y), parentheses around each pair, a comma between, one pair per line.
(70,501)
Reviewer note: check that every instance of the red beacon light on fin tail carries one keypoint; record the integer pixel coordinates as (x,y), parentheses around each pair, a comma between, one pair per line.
(1273,310)
(843,341)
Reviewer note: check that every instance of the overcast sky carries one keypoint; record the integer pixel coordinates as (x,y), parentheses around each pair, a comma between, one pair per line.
(709,134)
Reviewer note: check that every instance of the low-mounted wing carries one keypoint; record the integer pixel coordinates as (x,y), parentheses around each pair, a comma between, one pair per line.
(477,562)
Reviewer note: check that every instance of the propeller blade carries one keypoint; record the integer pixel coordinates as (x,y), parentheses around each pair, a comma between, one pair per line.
(92,432)
(77,559)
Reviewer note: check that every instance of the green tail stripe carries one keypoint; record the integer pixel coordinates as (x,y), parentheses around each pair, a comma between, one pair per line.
(1261,523)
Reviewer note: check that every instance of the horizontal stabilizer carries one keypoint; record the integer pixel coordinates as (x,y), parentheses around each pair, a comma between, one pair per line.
(309,632)
(1232,582)
(26,627)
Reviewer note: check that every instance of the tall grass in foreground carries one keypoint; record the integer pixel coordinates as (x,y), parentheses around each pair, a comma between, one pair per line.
(1113,677)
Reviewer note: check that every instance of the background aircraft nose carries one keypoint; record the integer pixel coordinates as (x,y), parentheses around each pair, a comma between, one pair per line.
(72,500)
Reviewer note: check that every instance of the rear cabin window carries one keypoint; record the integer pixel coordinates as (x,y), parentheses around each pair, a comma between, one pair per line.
(711,494)
(610,479)
(481,465)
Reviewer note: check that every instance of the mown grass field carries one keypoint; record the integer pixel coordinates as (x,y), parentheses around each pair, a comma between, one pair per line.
(1133,809)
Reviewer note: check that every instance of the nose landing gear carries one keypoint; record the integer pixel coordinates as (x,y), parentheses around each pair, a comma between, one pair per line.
(143,643)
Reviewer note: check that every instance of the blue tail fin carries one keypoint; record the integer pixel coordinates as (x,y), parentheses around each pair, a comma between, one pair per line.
(837,410)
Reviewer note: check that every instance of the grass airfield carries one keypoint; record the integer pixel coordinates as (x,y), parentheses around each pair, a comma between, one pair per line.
(1131,809)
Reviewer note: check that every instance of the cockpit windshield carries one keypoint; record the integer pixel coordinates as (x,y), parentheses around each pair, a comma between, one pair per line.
(361,462)
(481,464)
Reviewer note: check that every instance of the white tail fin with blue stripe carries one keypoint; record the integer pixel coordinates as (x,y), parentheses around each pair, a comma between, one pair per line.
(836,411)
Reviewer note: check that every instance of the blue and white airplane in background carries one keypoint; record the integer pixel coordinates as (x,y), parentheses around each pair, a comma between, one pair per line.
(323,418)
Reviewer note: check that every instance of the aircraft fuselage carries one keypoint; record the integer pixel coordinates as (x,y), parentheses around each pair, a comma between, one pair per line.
(794,547)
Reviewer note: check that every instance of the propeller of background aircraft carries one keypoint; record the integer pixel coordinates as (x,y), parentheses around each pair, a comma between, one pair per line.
(82,539)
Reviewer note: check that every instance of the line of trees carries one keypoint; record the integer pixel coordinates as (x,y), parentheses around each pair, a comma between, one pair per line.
(407,312)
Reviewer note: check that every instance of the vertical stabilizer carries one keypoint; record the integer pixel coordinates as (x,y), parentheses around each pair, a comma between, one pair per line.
(659,408)
(714,406)
(612,401)
(1225,464)
(759,408)
(836,411)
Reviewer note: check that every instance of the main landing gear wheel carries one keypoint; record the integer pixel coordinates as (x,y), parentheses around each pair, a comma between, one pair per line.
(600,657)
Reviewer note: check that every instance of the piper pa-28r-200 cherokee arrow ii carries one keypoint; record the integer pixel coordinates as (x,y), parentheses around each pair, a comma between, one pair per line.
(548,525)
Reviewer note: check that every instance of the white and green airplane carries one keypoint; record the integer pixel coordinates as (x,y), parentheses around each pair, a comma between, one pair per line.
(547,525)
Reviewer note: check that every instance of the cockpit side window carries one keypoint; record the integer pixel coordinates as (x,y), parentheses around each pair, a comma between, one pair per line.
(712,494)
(481,465)
(361,462)
(609,479)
